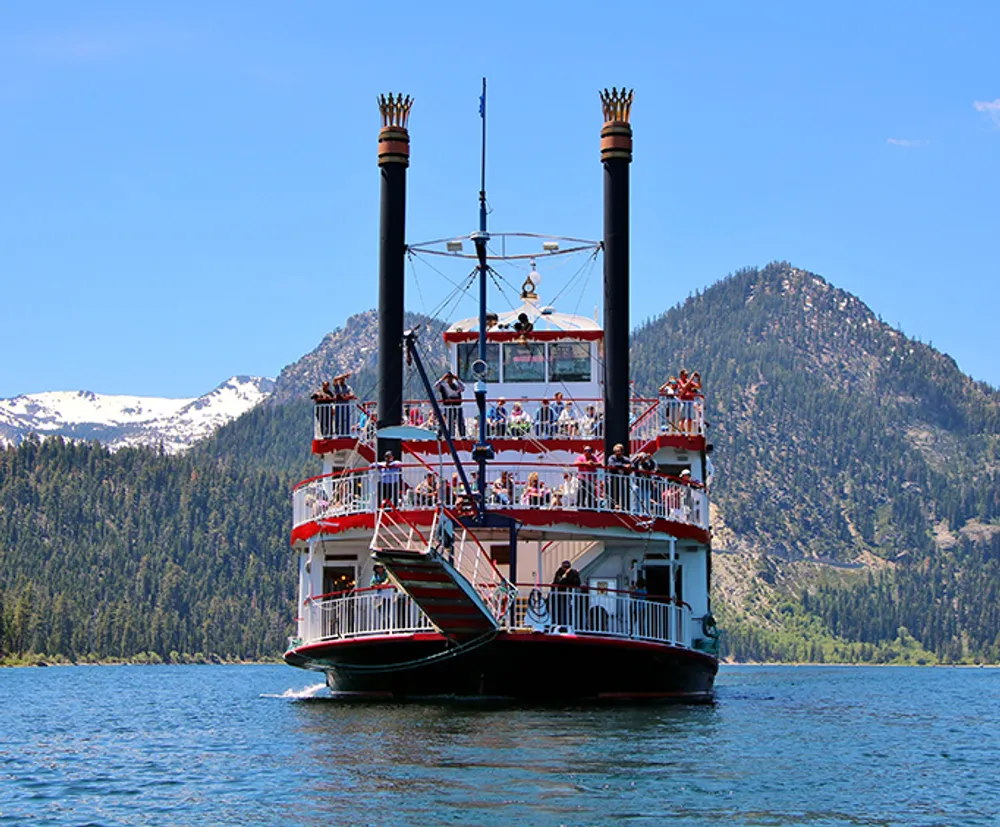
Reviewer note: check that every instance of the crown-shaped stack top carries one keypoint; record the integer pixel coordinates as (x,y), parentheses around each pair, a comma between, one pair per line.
(395,109)
(617,104)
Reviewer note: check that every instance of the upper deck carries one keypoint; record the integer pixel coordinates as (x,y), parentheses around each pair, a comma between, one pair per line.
(531,425)
(563,498)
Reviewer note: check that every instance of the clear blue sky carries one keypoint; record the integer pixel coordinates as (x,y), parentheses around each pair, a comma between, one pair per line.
(190,189)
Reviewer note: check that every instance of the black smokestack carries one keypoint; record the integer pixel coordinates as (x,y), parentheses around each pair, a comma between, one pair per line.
(393,159)
(616,155)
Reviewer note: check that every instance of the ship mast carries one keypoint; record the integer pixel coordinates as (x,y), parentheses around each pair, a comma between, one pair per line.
(483,451)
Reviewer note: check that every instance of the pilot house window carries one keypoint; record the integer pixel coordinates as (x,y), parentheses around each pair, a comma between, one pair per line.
(468,353)
(524,362)
(569,362)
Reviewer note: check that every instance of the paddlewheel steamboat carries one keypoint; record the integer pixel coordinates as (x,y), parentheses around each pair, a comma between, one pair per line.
(527,528)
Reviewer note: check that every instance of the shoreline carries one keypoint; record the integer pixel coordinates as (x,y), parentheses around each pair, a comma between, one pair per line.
(42,663)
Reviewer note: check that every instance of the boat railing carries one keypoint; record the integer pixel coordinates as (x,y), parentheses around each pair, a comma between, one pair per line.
(350,419)
(378,610)
(386,610)
(526,418)
(464,551)
(393,530)
(335,495)
(515,486)
(604,612)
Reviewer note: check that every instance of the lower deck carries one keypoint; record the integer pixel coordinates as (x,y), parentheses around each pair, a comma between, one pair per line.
(548,644)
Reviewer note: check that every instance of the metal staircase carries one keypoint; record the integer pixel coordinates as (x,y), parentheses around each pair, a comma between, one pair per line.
(447,573)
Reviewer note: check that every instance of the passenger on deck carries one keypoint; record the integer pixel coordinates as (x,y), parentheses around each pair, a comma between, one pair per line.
(324,414)
(343,398)
(502,489)
(695,386)
(688,481)
(566,577)
(450,388)
(319,503)
(618,465)
(669,388)
(643,467)
(414,416)
(566,422)
(324,394)
(497,418)
(586,467)
(682,383)
(565,596)
(390,479)
(545,420)
(379,575)
(535,493)
(566,493)
(558,403)
(590,424)
(425,492)
(520,422)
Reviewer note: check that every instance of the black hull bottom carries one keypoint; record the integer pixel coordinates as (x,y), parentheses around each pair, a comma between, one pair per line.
(534,668)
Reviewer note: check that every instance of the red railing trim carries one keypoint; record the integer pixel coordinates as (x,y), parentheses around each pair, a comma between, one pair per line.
(500,466)
(402,516)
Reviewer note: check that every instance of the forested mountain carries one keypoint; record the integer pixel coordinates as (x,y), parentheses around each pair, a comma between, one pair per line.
(844,448)
(110,555)
(354,347)
(857,506)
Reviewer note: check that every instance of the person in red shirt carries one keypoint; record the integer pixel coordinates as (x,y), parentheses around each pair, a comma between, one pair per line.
(586,472)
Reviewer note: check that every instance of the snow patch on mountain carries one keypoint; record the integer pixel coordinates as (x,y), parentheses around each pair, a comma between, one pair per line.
(118,420)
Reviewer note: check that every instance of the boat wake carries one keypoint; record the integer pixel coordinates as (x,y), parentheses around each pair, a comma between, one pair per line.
(298,694)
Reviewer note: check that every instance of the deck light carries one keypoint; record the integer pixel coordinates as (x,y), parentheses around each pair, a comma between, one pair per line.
(455,246)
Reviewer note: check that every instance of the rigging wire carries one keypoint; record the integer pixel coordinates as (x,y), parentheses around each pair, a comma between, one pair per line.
(583,290)
(416,282)
(588,262)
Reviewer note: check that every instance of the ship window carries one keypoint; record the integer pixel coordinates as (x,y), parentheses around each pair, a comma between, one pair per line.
(468,353)
(524,362)
(569,362)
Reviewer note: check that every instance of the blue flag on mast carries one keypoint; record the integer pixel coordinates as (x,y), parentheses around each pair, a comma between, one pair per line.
(482,105)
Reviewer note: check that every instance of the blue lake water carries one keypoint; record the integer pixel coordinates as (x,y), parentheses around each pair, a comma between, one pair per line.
(243,745)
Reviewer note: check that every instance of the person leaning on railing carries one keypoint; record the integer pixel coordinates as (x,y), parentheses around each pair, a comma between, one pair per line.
(618,465)
(343,398)
(676,499)
(643,468)
(323,397)
(379,575)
